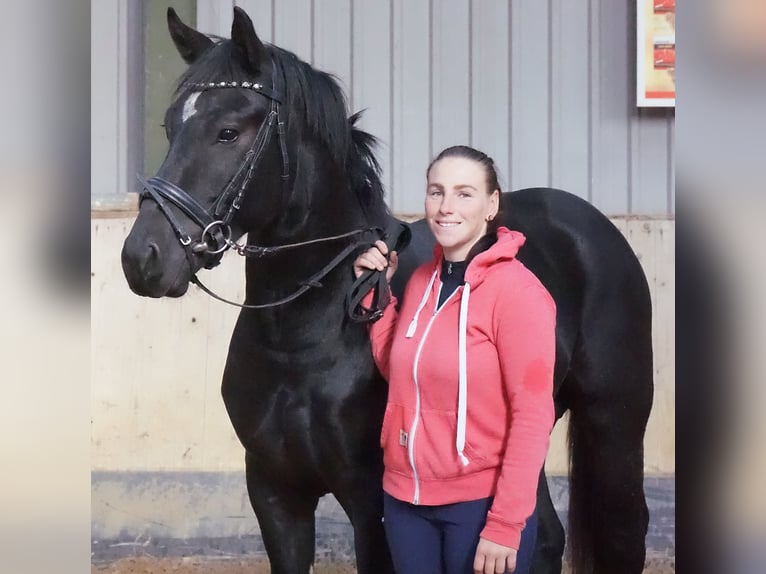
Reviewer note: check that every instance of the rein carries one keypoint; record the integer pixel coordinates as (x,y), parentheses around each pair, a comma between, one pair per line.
(313,281)
(397,237)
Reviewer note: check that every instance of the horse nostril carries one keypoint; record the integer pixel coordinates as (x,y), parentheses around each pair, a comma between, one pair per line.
(143,263)
(154,252)
(151,264)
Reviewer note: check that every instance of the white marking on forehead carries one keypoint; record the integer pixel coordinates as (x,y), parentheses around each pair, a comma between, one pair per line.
(189,106)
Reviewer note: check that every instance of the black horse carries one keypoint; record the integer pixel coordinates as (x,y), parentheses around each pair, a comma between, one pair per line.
(261,143)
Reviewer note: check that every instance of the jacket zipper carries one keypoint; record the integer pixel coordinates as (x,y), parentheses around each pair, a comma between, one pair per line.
(414,426)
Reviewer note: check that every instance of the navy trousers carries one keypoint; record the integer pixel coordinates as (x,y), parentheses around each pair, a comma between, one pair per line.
(443,539)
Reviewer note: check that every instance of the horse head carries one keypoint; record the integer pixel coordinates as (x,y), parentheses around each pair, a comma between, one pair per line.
(225,131)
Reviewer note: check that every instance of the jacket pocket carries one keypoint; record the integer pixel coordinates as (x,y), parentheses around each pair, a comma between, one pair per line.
(436,454)
(394,439)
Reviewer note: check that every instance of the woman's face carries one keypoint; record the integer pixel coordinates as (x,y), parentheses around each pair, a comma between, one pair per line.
(458,204)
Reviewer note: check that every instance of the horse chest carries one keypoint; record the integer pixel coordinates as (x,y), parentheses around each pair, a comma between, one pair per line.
(296,409)
(279,439)
(280,417)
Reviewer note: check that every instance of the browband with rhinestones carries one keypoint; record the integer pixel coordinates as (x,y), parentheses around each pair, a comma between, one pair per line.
(269,93)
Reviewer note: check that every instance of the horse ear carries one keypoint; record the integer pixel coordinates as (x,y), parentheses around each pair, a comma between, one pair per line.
(188,41)
(244,37)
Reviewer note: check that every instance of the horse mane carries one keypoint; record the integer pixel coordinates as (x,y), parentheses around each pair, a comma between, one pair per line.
(316,101)
(364,172)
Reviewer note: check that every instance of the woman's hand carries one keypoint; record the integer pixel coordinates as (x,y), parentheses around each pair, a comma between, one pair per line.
(492,558)
(375,259)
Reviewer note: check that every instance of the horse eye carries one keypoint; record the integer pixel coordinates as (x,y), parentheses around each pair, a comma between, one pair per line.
(228,135)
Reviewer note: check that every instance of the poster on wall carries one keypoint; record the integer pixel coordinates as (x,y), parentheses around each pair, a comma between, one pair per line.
(656,51)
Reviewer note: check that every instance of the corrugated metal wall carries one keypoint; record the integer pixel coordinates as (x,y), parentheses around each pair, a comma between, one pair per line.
(544,86)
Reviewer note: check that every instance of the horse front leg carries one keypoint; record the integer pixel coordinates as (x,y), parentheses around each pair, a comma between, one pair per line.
(286,518)
(361,496)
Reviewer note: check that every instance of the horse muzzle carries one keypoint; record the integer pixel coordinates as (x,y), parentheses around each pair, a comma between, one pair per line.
(149,272)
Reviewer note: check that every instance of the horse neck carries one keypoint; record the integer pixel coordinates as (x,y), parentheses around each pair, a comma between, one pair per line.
(312,320)
(320,200)
(321,205)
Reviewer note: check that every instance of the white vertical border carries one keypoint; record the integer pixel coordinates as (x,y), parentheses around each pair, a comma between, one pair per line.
(641,99)
(116,102)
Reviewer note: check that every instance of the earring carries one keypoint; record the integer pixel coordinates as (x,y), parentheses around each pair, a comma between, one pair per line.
(489,218)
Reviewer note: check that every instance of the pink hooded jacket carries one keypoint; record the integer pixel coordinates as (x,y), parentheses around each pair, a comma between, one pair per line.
(470,400)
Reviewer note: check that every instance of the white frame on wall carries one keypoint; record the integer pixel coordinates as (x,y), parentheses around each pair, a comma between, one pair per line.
(642,100)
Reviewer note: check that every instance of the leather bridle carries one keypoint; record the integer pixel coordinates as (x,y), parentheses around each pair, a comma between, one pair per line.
(216,235)
(215,238)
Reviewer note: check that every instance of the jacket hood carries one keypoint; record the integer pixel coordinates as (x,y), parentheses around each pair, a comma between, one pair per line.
(505,249)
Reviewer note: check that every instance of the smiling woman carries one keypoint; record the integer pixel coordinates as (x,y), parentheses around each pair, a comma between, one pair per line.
(462,198)
(468,496)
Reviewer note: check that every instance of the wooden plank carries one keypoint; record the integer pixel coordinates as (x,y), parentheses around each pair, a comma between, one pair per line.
(490,65)
(661,428)
(411,140)
(169,420)
(220,440)
(114,364)
(642,235)
(220,443)
(621,223)
(155,398)
(557,461)
(149,357)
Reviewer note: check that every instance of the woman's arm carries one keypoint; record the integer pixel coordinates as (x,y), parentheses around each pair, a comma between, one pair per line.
(526,346)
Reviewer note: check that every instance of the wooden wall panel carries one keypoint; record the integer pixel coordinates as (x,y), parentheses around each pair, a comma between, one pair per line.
(157,364)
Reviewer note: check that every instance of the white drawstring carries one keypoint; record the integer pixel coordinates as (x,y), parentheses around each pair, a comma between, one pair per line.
(462,401)
(462,374)
(414,323)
